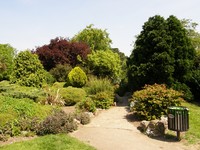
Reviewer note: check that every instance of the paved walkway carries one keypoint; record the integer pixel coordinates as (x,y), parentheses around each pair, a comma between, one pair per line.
(110,130)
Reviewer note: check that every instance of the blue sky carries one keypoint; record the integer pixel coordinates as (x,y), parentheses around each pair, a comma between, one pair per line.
(26,24)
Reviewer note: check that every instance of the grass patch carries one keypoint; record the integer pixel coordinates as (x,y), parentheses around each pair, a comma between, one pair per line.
(23,107)
(49,142)
(193,134)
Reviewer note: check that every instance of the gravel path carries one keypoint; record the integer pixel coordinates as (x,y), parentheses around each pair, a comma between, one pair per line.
(110,130)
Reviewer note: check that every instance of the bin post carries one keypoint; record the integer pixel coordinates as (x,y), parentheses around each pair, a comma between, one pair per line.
(178,119)
(178,135)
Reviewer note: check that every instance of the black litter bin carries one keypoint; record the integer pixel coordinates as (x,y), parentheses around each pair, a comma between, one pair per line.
(178,119)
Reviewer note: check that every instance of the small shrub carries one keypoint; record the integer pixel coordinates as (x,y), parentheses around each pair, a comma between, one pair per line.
(60,72)
(103,100)
(53,97)
(152,102)
(72,95)
(76,77)
(59,122)
(95,85)
(86,105)
(49,78)
(83,117)
(193,81)
(29,123)
(181,87)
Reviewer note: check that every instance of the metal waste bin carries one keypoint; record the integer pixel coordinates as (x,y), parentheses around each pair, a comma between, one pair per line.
(178,119)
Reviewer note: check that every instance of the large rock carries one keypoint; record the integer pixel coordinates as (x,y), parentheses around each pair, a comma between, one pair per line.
(153,128)
(143,125)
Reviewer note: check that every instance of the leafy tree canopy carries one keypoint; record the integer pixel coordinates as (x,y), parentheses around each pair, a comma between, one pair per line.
(192,33)
(105,63)
(6,61)
(62,51)
(28,70)
(97,39)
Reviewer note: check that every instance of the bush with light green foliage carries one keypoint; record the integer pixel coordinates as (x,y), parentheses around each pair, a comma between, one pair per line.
(76,77)
(7,54)
(105,63)
(97,39)
(28,70)
(103,100)
(86,105)
(152,102)
(72,95)
(96,85)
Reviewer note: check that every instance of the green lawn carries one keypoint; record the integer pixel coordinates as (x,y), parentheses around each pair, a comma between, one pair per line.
(49,142)
(193,134)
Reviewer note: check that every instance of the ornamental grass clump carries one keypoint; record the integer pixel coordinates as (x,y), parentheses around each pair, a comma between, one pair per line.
(152,102)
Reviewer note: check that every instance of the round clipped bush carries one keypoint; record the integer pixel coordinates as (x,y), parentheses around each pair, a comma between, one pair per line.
(76,77)
(152,102)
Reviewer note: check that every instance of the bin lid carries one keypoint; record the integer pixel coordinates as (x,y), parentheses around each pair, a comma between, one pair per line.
(178,108)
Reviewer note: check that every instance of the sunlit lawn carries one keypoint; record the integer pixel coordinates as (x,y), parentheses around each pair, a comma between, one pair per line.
(49,142)
(193,134)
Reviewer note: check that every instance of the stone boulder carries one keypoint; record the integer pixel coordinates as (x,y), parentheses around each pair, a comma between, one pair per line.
(154,128)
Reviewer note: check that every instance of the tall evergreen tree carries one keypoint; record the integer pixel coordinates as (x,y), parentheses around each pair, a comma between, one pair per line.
(151,60)
(163,53)
(184,52)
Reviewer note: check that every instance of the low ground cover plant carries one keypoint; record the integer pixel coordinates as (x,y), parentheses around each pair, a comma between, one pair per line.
(17,115)
(58,122)
(19,92)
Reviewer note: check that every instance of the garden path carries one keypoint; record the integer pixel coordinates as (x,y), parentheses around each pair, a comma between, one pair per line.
(110,130)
